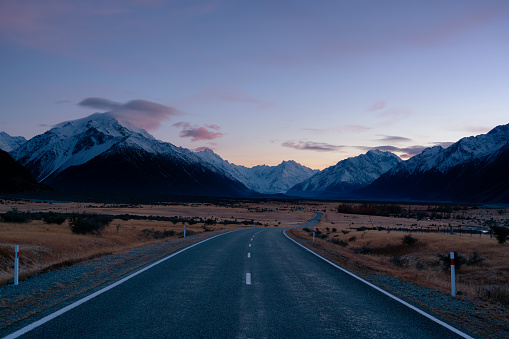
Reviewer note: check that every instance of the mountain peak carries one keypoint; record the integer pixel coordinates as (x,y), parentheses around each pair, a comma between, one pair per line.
(9,143)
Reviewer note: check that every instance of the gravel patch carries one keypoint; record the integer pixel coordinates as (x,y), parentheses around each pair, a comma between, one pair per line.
(487,321)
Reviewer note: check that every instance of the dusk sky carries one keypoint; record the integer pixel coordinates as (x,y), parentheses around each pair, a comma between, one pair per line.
(261,81)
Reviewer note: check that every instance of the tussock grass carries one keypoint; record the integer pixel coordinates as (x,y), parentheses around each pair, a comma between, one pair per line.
(484,274)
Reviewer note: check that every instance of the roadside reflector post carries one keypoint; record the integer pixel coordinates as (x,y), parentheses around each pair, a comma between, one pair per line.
(184,230)
(16,264)
(313,235)
(453,283)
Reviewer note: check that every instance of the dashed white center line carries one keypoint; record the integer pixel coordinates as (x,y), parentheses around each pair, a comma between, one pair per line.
(248,278)
(249,245)
(248,255)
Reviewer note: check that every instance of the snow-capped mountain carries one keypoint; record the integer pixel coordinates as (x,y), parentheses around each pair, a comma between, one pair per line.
(454,173)
(263,179)
(8,143)
(98,151)
(466,149)
(347,175)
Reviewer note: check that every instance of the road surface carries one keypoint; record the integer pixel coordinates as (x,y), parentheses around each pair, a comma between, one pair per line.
(252,283)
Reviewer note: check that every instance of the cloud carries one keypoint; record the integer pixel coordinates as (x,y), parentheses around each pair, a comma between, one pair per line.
(393,138)
(198,133)
(141,113)
(203,148)
(340,129)
(404,152)
(376,106)
(311,146)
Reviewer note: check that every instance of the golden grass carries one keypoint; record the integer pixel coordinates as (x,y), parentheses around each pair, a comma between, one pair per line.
(48,246)
(421,264)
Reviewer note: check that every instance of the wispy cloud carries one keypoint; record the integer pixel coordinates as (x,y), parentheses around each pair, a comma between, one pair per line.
(311,146)
(394,138)
(340,129)
(141,113)
(376,106)
(198,133)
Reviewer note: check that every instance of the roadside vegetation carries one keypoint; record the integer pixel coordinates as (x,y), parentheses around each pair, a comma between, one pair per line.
(413,243)
(55,235)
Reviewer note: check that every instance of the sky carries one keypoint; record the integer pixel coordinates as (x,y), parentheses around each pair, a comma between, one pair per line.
(261,81)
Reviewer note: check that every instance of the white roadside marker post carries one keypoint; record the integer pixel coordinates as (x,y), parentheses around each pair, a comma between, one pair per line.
(314,235)
(184,230)
(453,283)
(16,264)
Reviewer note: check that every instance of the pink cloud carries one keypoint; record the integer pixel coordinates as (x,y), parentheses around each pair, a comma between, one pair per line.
(141,113)
(198,133)
(377,106)
(311,146)
(203,148)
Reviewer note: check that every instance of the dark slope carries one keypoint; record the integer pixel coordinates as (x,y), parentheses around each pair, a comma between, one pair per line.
(15,178)
(131,169)
(484,180)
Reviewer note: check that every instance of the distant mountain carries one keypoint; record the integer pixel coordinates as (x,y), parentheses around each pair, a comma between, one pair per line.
(346,176)
(474,169)
(263,179)
(15,178)
(8,143)
(101,153)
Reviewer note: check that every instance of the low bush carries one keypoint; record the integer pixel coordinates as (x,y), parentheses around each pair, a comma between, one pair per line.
(89,223)
(151,233)
(338,242)
(399,261)
(409,240)
(501,233)
(16,216)
(53,218)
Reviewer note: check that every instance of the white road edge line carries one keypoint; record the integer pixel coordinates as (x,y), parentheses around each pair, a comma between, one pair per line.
(438,321)
(248,278)
(95,294)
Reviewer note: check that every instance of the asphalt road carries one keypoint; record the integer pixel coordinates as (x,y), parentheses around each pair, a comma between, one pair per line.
(252,283)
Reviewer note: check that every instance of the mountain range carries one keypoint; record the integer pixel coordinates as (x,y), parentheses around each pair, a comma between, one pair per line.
(101,153)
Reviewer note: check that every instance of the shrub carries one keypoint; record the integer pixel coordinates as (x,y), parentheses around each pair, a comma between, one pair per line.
(363,250)
(352,239)
(16,216)
(338,242)
(53,218)
(459,260)
(151,233)
(501,233)
(475,259)
(398,261)
(88,223)
(409,240)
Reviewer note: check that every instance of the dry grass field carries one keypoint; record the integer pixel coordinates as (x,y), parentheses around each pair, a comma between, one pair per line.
(50,246)
(370,245)
(361,243)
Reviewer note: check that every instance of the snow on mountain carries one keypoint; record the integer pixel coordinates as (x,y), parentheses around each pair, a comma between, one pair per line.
(8,143)
(347,175)
(75,142)
(263,179)
(466,149)
(474,169)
